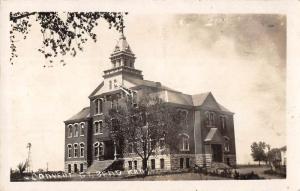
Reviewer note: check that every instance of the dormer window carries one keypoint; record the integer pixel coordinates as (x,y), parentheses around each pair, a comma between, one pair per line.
(98,106)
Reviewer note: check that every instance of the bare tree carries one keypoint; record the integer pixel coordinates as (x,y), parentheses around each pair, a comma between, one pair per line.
(145,127)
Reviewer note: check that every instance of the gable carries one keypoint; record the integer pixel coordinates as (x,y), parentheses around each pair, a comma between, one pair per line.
(214,136)
(95,92)
(210,103)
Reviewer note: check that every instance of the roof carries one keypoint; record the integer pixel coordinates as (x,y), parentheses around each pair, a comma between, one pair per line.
(199,99)
(214,135)
(122,45)
(84,113)
(141,82)
(283,148)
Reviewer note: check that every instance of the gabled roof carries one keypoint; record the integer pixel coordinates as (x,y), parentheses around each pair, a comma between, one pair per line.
(97,89)
(199,99)
(214,135)
(84,113)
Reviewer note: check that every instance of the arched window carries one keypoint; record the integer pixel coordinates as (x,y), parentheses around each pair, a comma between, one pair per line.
(98,105)
(185,145)
(75,150)
(69,151)
(81,149)
(210,118)
(81,129)
(76,131)
(98,149)
(70,131)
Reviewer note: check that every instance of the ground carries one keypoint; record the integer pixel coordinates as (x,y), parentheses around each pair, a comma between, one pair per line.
(57,176)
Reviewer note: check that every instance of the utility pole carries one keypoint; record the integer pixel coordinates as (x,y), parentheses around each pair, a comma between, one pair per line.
(47,167)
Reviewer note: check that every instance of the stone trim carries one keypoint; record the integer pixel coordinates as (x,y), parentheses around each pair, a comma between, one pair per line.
(85,166)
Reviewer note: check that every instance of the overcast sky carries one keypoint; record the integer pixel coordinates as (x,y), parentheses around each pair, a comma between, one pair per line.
(241,59)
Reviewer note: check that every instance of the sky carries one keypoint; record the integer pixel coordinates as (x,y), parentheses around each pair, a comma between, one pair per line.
(241,59)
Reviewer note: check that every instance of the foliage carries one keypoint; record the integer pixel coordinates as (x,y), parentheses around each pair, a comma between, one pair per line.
(22,167)
(146,127)
(258,151)
(63,33)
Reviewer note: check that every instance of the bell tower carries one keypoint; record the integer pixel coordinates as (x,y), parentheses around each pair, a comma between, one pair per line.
(122,61)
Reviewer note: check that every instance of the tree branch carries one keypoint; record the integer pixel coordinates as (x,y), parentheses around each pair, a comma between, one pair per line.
(21,16)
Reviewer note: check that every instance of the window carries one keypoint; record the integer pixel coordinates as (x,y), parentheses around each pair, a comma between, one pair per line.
(187,162)
(98,149)
(210,118)
(76,132)
(82,129)
(162,163)
(152,144)
(70,131)
(135,164)
(69,151)
(81,167)
(183,114)
(223,122)
(181,162)
(129,165)
(152,164)
(115,83)
(81,149)
(185,146)
(69,168)
(110,84)
(75,150)
(99,106)
(130,148)
(98,127)
(162,143)
(75,168)
(226,146)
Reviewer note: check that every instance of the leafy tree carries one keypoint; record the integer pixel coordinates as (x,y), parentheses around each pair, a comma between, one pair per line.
(63,33)
(258,151)
(274,157)
(146,127)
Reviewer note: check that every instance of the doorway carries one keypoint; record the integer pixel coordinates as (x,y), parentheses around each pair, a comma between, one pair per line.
(216,152)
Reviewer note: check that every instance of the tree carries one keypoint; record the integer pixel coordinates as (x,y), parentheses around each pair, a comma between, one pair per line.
(63,33)
(22,167)
(145,127)
(274,157)
(258,151)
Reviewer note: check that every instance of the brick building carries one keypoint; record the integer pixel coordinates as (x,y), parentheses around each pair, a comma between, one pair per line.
(208,137)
